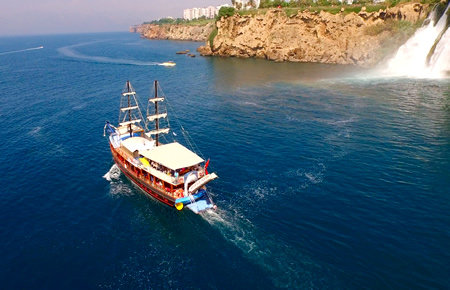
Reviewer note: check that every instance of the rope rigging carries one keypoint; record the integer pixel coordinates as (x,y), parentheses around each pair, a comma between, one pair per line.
(187,137)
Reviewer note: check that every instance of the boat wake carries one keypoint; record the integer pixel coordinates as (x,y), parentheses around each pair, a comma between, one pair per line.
(313,175)
(21,50)
(233,226)
(35,131)
(69,51)
(118,186)
(279,260)
(113,173)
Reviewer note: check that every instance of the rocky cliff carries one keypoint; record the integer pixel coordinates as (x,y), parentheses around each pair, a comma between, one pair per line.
(362,38)
(341,38)
(175,31)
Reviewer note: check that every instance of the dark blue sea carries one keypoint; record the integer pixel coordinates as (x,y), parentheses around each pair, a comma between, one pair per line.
(330,177)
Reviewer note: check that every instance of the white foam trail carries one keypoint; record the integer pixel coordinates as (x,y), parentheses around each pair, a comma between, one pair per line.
(69,51)
(118,186)
(113,173)
(234,227)
(306,177)
(281,262)
(21,50)
(35,131)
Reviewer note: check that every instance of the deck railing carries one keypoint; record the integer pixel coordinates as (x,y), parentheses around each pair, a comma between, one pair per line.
(155,172)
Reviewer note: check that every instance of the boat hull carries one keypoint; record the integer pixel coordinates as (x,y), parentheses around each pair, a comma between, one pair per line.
(145,186)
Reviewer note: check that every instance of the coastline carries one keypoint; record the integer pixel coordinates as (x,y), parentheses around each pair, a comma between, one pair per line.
(363,38)
(174,31)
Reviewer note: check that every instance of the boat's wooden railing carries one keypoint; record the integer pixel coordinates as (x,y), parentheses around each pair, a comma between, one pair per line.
(151,171)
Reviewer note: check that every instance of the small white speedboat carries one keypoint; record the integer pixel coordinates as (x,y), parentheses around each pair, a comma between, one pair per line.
(168,63)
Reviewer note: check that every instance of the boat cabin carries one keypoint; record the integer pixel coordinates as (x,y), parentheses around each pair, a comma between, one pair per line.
(164,165)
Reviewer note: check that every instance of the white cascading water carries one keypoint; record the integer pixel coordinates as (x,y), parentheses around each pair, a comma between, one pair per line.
(411,58)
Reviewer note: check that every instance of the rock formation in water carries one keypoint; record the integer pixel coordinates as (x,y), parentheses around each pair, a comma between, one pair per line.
(342,38)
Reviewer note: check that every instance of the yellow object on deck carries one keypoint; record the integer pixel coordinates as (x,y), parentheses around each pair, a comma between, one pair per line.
(144,162)
(179,206)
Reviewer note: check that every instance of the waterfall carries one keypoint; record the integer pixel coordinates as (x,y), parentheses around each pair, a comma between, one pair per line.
(427,53)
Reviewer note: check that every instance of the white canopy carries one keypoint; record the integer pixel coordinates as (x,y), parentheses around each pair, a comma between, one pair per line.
(173,156)
(138,143)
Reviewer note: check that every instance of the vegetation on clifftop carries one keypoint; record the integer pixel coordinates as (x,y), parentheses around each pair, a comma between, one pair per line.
(171,21)
(295,6)
(225,12)
(331,6)
(405,27)
(326,3)
(333,9)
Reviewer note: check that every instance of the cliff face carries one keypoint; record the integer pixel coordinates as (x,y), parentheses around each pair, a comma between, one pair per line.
(310,37)
(175,32)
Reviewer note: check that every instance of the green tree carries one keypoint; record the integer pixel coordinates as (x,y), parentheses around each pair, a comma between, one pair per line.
(265,4)
(323,2)
(226,12)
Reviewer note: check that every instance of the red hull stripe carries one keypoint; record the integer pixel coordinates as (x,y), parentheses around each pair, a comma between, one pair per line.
(144,187)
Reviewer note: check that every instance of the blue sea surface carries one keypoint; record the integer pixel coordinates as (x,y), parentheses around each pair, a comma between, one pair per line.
(330,177)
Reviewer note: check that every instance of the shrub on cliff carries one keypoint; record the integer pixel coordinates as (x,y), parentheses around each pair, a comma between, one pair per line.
(273,3)
(392,3)
(170,21)
(225,12)
(401,27)
(211,36)
(162,21)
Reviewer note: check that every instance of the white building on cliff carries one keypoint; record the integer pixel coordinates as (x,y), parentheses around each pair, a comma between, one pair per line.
(194,13)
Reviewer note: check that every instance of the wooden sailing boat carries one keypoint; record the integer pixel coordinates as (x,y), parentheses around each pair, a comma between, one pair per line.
(170,172)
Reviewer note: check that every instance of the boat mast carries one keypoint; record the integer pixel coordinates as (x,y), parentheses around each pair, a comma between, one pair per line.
(156,113)
(129,111)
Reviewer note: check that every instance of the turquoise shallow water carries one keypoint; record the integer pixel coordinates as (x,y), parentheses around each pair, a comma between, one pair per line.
(329,177)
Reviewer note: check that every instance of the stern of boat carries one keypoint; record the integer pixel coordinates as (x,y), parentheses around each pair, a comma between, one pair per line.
(198,202)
